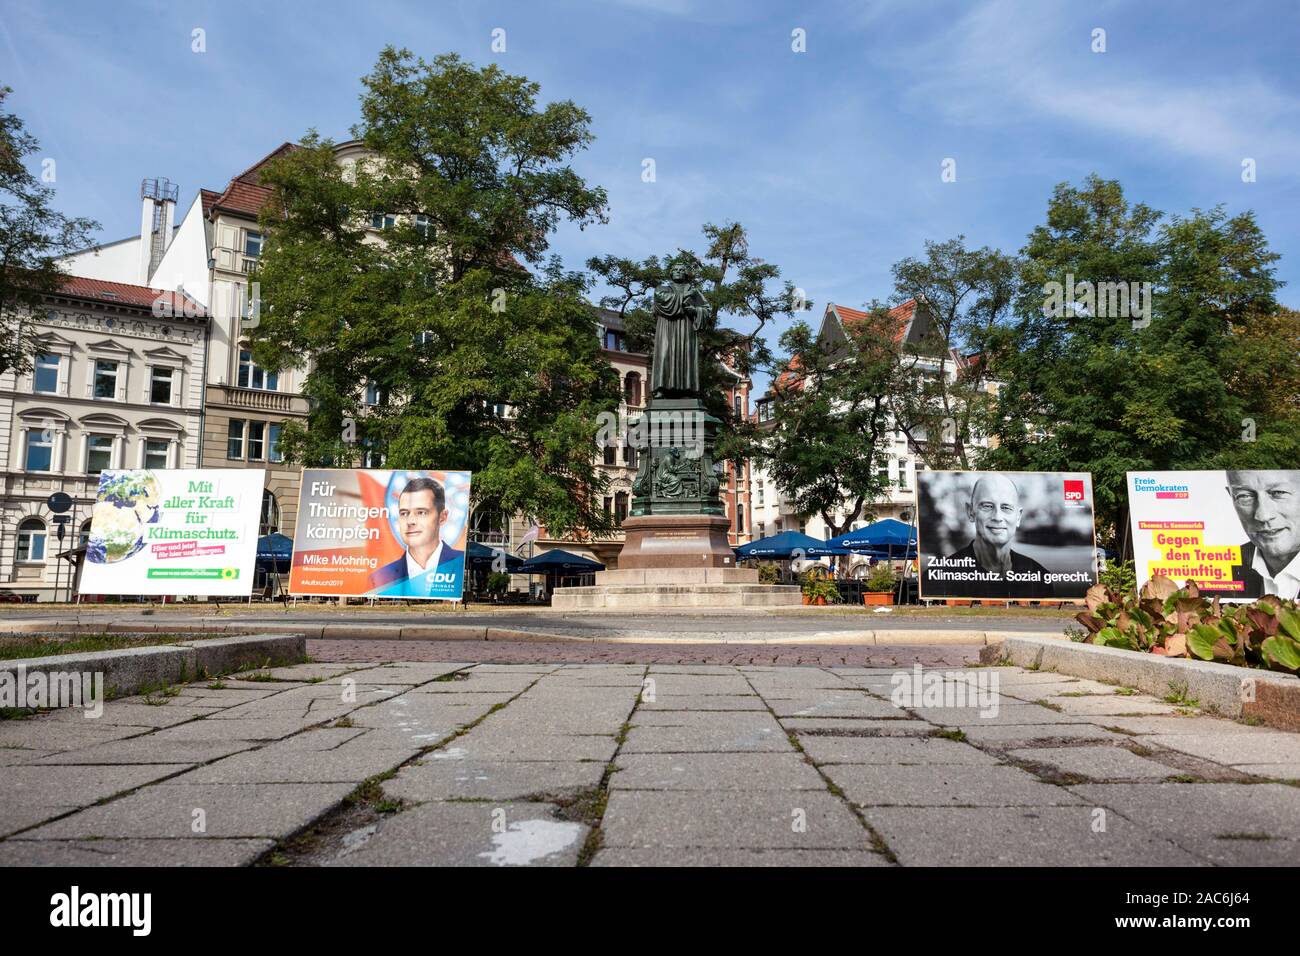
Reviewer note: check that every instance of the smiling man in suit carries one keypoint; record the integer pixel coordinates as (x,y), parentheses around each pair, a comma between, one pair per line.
(1268,505)
(421,510)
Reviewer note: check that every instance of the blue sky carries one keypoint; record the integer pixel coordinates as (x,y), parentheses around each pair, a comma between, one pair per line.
(831,157)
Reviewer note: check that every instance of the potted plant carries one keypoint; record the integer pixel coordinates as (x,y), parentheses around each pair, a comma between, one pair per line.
(880,585)
(498,582)
(817,586)
(767,574)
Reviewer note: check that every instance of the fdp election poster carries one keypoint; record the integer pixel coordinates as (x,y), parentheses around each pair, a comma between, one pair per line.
(371,533)
(1235,533)
(1005,535)
(174,531)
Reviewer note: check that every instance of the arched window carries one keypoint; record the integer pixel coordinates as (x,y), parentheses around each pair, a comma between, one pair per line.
(632,388)
(83,535)
(269,523)
(31,540)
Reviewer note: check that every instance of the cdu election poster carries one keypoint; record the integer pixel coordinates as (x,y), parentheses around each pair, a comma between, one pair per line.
(375,533)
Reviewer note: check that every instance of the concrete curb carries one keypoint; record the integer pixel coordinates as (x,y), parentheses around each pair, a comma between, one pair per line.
(1229,690)
(129,670)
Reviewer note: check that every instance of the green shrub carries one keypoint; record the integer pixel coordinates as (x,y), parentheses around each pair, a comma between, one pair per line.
(498,583)
(881,577)
(767,574)
(1178,622)
(1119,576)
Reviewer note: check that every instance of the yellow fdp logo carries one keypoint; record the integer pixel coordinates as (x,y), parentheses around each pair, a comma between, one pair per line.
(229,574)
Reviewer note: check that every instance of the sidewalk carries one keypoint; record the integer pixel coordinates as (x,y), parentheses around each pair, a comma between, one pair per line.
(436,763)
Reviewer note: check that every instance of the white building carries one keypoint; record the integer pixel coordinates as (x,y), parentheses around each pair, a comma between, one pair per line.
(114,386)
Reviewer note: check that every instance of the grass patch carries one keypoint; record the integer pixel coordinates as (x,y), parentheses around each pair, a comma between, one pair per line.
(1243,836)
(1048,704)
(1125,691)
(1178,695)
(217,685)
(17,648)
(952,733)
(1251,720)
(447,678)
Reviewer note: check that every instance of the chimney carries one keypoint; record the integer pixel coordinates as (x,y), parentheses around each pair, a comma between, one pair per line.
(157,217)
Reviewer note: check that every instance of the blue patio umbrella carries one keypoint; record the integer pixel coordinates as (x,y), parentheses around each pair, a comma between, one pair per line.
(784,545)
(275,552)
(889,535)
(559,562)
(479,557)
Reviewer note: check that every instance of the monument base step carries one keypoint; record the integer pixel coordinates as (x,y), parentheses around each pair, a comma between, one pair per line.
(681,594)
(630,576)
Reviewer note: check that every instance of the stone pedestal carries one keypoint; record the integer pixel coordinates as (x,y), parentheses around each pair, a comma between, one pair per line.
(676,541)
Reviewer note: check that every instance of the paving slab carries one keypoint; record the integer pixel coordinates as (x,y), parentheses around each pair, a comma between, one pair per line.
(164,852)
(945,785)
(1006,712)
(714,771)
(211,728)
(1096,763)
(1271,771)
(75,786)
(1112,704)
(350,762)
(1236,824)
(707,739)
(794,819)
(150,750)
(703,702)
(35,733)
(230,810)
(1275,746)
(492,780)
(891,750)
(15,817)
(146,716)
(1180,725)
(834,705)
(471,834)
(476,746)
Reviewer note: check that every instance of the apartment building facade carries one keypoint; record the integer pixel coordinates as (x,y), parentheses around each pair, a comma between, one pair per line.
(118,383)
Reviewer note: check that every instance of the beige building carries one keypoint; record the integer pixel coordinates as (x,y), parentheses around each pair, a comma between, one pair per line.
(118,383)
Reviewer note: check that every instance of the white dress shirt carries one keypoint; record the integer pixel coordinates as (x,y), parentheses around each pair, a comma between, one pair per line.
(1286,584)
(414,570)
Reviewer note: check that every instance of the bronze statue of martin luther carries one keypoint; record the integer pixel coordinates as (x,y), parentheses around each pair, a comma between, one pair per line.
(680,313)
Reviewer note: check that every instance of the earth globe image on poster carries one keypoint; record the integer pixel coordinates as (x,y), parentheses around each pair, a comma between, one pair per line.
(128,500)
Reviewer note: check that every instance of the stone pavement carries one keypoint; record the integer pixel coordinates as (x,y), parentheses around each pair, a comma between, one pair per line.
(608,764)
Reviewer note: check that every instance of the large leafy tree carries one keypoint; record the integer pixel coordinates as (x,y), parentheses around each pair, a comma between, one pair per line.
(942,399)
(1108,391)
(829,440)
(33,238)
(476,363)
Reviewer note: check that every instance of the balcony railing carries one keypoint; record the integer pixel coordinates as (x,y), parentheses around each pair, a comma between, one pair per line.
(259,399)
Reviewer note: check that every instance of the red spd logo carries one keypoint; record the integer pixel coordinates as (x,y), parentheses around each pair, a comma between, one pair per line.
(1074,489)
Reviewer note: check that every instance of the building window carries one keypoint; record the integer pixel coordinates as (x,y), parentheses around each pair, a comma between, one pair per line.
(632,388)
(614,341)
(273,452)
(609,506)
(160,385)
(155,452)
(740,519)
(372,393)
(902,473)
(46,375)
(383,220)
(424,226)
(83,536)
(620,506)
(31,540)
(629,456)
(40,451)
(736,404)
(99,453)
(235,440)
(758,488)
(105,379)
(252,375)
(610,455)
(256,441)
(269,523)
(252,244)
